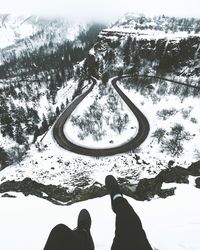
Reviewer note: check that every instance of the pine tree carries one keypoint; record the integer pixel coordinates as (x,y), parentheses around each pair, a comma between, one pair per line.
(53,89)
(51,117)
(58,79)
(7,125)
(36,133)
(120,73)
(29,127)
(110,56)
(12,91)
(136,64)
(4,159)
(45,126)
(105,77)
(90,66)
(32,115)
(67,101)
(19,133)
(62,107)
(133,50)
(127,51)
(133,46)
(19,114)
(57,111)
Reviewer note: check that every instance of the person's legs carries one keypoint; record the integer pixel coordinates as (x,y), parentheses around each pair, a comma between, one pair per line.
(63,238)
(129,234)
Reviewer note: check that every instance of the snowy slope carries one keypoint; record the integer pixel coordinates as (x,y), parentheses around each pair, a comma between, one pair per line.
(13,28)
(20,35)
(184,111)
(171,223)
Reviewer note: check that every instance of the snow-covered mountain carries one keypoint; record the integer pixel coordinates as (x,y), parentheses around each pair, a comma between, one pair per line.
(27,33)
(134,22)
(15,28)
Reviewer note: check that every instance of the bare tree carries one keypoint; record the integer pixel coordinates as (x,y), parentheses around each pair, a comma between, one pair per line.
(174,145)
(159,134)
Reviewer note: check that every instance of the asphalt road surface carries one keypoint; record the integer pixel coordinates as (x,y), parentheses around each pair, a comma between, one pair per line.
(63,141)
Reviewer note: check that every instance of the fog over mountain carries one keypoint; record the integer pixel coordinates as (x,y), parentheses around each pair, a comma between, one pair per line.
(101,10)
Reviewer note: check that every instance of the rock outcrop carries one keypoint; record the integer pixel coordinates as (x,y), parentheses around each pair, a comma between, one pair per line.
(146,189)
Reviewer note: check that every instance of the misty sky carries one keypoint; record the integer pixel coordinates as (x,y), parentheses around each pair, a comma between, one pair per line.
(101,9)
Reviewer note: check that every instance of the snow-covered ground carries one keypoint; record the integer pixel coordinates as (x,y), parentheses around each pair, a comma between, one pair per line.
(51,164)
(170,224)
(148,33)
(110,107)
(54,165)
(184,112)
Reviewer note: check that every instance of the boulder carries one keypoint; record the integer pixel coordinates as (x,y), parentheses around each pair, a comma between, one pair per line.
(194,169)
(6,195)
(93,191)
(176,174)
(29,187)
(170,163)
(147,188)
(164,193)
(197,181)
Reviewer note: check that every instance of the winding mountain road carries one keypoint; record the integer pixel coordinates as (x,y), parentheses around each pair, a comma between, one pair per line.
(65,143)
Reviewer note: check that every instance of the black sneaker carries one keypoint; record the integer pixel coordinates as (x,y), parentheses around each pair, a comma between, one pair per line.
(112,188)
(84,220)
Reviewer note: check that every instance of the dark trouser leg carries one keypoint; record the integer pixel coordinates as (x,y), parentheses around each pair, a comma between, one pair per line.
(129,234)
(63,238)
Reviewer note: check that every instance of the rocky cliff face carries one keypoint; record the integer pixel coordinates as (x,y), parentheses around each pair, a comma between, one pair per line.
(159,45)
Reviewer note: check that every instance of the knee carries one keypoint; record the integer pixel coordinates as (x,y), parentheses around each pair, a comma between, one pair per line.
(59,228)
